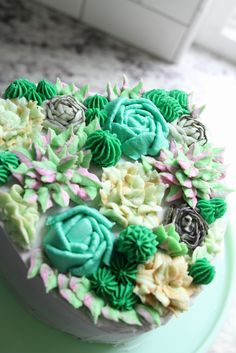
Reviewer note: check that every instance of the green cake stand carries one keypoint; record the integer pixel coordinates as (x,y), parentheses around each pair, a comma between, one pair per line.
(193,332)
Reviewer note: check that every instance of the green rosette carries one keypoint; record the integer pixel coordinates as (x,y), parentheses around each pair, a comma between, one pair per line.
(96,101)
(123,298)
(212,209)
(33,95)
(103,282)
(202,271)
(105,148)
(95,113)
(18,89)
(138,243)
(46,89)
(8,161)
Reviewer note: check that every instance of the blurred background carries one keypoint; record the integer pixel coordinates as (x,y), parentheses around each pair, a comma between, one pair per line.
(185,44)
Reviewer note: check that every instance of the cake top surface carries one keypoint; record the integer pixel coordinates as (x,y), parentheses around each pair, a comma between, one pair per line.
(116,199)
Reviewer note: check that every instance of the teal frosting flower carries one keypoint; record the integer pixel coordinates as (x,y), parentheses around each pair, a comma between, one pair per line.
(79,241)
(139,126)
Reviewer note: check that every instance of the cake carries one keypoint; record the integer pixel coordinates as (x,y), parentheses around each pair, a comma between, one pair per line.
(113,205)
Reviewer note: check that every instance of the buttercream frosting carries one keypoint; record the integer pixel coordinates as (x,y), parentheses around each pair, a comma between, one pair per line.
(164,281)
(191,172)
(79,240)
(139,126)
(169,240)
(202,271)
(8,161)
(46,89)
(212,209)
(62,112)
(138,243)
(20,218)
(20,121)
(131,195)
(105,148)
(53,171)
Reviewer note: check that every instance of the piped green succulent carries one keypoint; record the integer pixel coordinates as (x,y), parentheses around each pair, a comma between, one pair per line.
(170,241)
(55,169)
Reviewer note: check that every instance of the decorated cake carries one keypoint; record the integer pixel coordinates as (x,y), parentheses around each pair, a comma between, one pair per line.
(112,204)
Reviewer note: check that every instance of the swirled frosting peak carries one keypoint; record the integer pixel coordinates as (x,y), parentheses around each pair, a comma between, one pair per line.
(46,89)
(105,148)
(18,88)
(8,162)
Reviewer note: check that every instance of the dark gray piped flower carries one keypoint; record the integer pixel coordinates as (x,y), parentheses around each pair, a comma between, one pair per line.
(64,111)
(193,129)
(188,223)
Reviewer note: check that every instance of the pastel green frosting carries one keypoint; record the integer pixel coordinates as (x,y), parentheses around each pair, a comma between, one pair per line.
(105,148)
(124,271)
(19,216)
(212,209)
(170,241)
(123,298)
(8,161)
(202,271)
(138,243)
(93,113)
(103,282)
(18,88)
(139,126)
(55,169)
(96,101)
(79,241)
(33,95)
(46,89)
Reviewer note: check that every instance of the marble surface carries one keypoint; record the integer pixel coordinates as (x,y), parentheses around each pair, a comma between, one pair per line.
(36,43)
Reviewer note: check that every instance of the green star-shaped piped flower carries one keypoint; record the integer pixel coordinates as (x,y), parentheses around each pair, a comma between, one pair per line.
(138,243)
(124,271)
(103,282)
(123,298)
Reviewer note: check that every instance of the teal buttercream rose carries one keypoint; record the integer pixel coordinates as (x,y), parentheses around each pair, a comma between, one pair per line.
(79,241)
(139,126)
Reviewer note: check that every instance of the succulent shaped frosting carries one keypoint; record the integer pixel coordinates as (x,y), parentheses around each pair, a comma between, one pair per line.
(168,106)
(54,170)
(20,217)
(202,271)
(95,113)
(20,121)
(138,243)
(139,126)
(8,161)
(165,281)
(64,89)
(169,240)
(33,95)
(18,88)
(124,90)
(191,172)
(46,89)
(182,97)
(103,282)
(96,101)
(123,298)
(187,131)
(64,111)
(105,148)
(131,195)
(79,240)
(189,224)
(124,271)
(212,209)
